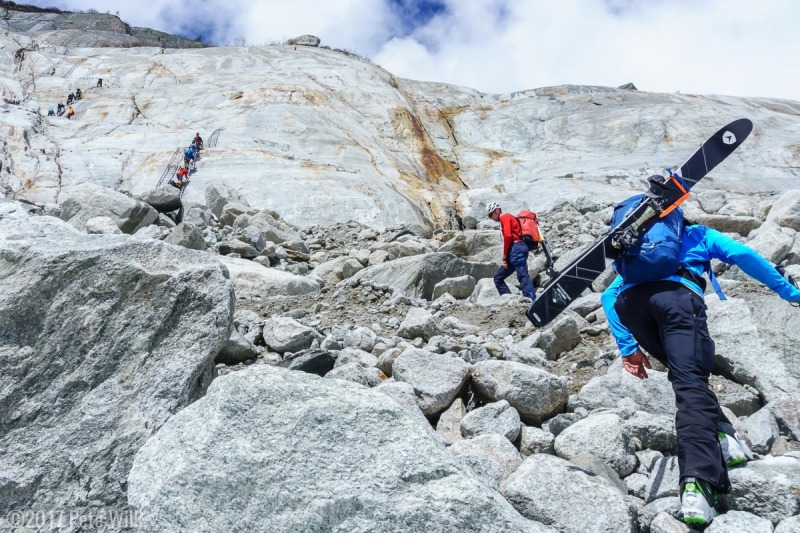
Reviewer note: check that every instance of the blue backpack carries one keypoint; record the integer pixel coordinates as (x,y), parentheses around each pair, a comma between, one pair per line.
(656,255)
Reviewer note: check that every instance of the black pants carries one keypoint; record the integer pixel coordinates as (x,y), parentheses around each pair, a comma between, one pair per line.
(668,320)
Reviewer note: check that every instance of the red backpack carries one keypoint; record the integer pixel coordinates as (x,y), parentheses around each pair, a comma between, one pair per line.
(529,228)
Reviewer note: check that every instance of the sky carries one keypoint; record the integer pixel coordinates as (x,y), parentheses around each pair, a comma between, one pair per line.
(729,47)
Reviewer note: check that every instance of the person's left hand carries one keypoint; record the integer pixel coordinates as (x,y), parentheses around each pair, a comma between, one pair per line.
(636,364)
(504,264)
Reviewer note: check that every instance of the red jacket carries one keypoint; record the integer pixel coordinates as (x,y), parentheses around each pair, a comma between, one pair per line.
(509,227)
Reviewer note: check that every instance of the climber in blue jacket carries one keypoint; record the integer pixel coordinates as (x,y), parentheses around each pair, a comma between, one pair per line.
(667,318)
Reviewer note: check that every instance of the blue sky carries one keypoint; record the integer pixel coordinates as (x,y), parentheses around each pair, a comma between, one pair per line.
(736,47)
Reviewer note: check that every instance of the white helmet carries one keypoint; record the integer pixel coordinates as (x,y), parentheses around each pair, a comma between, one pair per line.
(491,207)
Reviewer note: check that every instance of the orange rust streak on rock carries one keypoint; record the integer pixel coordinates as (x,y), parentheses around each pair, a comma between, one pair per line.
(436,167)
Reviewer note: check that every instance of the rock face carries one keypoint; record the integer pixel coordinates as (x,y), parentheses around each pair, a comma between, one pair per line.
(300,455)
(103,339)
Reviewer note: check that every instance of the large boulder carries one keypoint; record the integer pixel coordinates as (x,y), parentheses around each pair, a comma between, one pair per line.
(84,201)
(236,350)
(767,488)
(284,334)
(459,288)
(617,386)
(293,452)
(551,490)
(254,282)
(604,436)
(416,276)
(218,195)
(437,378)
(535,393)
(786,210)
(103,339)
(491,456)
(163,199)
(187,235)
(739,522)
(484,246)
(418,322)
(336,270)
(749,332)
(496,417)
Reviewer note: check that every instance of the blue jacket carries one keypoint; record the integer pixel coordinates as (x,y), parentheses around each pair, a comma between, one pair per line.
(700,244)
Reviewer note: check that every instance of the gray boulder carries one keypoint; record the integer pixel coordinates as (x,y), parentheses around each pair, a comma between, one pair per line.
(742,225)
(283,334)
(253,281)
(336,270)
(786,411)
(187,235)
(437,378)
(460,287)
(656,432)
(603,436)
(480,246)
(597,467)
(653,395)
(102,225)
(163,199)
(535,440)
(786,210)
(91,367)
(636,484)
(84,201)
(354,355)
(767,488)
(551,490)
(236,350)
(357,373)
(761,430)
(403,394)
(486,295)
(491,456)
(666,523)
(748,332)
(535,393)
(240,438)
(218,195)
(449,424)
(318,362)
(304,40)
(789,525)
(418,322)
(647,514)
(664,480)
(771,242)
(496,417)
(416,276)
(738,522)
(235,246)
(231,212)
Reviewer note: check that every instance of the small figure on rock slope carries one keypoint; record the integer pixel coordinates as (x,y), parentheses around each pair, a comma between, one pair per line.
(519,238)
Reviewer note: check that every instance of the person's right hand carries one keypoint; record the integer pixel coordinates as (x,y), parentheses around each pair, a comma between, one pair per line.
(504,263)
(636,364)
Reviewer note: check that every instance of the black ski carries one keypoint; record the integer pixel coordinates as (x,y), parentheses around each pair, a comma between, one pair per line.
(665,195)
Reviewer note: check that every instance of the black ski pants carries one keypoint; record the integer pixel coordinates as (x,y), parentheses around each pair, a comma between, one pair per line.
(668,320)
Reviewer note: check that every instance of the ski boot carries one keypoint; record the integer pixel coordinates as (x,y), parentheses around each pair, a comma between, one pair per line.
(698,502)
(734,451)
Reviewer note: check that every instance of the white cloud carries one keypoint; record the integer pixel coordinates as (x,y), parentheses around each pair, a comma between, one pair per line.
(737,47)
(707,46)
